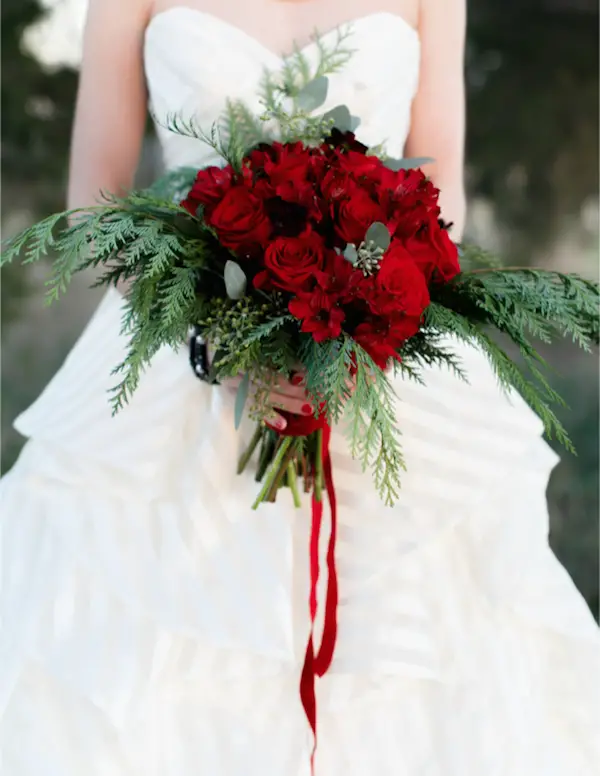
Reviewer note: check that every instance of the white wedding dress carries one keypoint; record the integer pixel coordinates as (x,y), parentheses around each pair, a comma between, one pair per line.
(154,624)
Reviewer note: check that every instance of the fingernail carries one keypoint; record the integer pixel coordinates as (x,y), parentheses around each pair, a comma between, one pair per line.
(297,379)
(277,424)
(307,409)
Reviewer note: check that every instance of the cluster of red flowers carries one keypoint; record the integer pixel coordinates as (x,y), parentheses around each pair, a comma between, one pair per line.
(292,212)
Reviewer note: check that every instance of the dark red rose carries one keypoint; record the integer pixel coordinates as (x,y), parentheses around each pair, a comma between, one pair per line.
(319,313)
(291,262)
(355,215)
(400,285)
(209,188)
(434,252)
(240,219)
(382,338)
(345,140)
(288,219)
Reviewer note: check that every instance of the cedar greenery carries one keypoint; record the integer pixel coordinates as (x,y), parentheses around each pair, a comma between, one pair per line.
(174,265)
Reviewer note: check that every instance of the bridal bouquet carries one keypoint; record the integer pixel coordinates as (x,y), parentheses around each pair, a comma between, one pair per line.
(312,255)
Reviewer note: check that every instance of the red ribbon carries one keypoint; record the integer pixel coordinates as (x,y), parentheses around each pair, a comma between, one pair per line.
(317,665)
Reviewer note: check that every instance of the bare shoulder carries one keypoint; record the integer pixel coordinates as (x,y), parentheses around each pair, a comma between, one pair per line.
(436,15)
(117,16)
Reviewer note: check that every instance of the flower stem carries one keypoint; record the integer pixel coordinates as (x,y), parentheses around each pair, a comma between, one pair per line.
(319,467)
(266,454)
(281,471)
(247,455)
(292,476)
(272,475)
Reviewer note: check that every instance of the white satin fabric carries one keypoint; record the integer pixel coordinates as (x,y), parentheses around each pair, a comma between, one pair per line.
(153,624)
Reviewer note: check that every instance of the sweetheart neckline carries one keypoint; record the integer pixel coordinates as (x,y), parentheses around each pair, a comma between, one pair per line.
(265,49)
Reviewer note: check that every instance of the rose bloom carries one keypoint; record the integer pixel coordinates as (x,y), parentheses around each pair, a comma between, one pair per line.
(240,219)
(209,188)
(291,263)
(399,285)
(343,140)
(434,252)
(353,216)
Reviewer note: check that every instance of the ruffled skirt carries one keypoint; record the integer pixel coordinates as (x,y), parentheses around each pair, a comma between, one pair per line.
(152,623)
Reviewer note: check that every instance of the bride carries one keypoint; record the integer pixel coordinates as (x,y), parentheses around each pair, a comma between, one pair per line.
(152,623)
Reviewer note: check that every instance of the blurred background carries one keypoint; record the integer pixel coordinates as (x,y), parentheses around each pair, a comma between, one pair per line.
(532,73)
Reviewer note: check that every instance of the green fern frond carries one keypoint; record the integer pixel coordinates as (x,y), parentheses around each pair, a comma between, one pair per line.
(443,320)
(372,427)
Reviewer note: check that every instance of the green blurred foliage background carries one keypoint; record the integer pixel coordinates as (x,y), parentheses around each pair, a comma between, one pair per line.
(532,171)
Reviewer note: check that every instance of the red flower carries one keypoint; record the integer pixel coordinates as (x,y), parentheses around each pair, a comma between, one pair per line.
(336,277)
(286,172)
(381,338)
(400,285)
(345,140)
(410,199)
(291,262)
(359,165)
(355,215)
(337,184)
(240,220)
(434,252)
(319,314)
(209,188)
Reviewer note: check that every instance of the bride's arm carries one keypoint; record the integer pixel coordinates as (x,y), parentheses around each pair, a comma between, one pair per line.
(110,112)
(438,114)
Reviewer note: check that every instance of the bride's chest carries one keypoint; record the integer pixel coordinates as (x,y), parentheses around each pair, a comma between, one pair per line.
(195,63)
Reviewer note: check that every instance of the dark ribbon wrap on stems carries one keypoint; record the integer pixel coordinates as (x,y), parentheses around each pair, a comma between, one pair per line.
(317,664)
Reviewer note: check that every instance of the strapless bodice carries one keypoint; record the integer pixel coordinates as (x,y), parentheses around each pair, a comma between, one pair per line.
(195,62)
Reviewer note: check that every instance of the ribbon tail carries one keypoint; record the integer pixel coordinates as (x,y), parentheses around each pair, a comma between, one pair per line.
(326,650)
(318,665)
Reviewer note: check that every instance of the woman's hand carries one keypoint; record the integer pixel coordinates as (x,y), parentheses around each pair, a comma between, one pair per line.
(288,395)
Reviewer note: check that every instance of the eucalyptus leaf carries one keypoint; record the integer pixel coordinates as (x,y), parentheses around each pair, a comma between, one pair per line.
(241,398)
(351,254)
(407,164)
(341,118)
(314,94)
(235,280)
(379,234)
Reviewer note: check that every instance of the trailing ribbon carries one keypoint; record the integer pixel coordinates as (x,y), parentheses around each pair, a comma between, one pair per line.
(316,665)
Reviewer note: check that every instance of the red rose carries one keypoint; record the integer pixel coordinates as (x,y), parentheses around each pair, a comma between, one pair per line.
(291,262)
(400,285)
(355,215)
(240,219)
(209,188)
(319,314)
(346,140)
(381,338)
(434,252)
